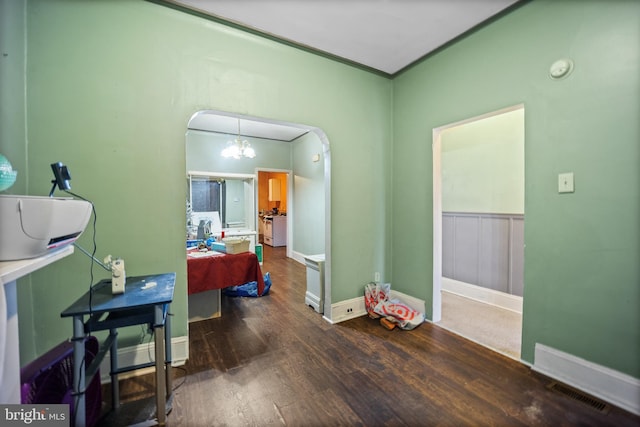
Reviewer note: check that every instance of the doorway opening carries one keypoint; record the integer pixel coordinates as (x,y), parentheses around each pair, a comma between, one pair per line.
(274,197)
(478,226)
(290,148)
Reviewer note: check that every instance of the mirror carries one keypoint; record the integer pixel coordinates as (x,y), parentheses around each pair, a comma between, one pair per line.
(222,201)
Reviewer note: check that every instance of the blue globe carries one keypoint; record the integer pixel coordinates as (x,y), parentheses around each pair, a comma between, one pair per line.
(7,174)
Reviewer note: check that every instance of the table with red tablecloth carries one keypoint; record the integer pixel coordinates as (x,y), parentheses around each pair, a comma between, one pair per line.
(207,272)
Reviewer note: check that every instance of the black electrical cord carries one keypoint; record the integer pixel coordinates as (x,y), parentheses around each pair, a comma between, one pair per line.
(95,248)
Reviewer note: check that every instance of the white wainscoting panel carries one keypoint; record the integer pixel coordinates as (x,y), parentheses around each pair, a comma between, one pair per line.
(484,249)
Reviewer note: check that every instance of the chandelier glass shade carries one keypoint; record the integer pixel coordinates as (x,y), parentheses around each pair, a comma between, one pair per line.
(238,148)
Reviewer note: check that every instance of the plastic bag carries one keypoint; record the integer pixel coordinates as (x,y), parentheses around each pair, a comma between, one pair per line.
(267,283)
(377,304)
(373,294)
(406,317)
(248,289)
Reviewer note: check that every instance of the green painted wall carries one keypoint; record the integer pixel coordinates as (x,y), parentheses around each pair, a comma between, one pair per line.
(12,90)
(309,190)
(110,89)
(13,128)
(582,276)
(482,165)
(235,200)
(204,148)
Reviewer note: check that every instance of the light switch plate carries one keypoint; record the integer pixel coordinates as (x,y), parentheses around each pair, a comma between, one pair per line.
(565,182)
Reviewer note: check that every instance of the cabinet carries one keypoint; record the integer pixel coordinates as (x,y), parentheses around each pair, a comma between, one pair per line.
(274,190)
(275,231)
(315,282)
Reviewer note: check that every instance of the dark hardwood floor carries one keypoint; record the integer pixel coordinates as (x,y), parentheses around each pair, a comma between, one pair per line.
(274,361)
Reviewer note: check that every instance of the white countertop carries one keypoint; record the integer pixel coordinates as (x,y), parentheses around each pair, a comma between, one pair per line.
(238,232)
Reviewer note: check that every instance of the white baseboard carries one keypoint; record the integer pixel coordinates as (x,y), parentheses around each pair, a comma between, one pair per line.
(485,295)
(352,308)
(416,303)
(297,256)
(614,387)
(143,353)
(347,309)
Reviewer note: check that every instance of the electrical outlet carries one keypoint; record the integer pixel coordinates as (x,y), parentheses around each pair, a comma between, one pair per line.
(376,276)
(349,310)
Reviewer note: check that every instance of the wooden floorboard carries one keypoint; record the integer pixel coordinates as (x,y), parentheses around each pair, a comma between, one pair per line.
(273,361)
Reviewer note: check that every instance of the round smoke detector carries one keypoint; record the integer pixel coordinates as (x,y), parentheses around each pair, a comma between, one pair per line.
(561,68)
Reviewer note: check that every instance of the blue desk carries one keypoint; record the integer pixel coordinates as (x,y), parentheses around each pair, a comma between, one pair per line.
(139,304)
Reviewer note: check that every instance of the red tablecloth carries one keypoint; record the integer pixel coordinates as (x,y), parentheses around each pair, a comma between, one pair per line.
(223,270)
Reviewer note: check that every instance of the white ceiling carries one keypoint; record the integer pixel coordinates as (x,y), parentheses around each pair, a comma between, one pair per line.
(385,35)
(216,121)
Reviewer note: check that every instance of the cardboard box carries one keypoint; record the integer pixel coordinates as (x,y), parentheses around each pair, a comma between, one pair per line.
(236,245)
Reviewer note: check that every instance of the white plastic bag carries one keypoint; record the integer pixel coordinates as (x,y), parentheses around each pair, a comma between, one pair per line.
(377,303)
(373,294)
(406,317)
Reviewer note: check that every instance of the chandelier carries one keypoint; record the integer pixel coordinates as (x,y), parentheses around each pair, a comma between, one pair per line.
(238,148)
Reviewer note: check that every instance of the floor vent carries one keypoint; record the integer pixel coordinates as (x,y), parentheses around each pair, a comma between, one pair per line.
(580,396)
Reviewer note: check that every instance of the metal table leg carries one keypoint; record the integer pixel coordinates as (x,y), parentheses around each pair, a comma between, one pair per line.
(113,355)
(79,371)
(167,353)
(160,376)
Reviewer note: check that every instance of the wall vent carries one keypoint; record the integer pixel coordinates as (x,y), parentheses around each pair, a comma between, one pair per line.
(580,396)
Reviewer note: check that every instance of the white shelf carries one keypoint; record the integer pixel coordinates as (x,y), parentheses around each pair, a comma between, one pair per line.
(13,270)
(10,272)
